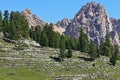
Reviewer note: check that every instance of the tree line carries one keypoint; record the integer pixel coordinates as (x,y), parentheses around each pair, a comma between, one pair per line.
(48,37)
(14,26)
(106,48)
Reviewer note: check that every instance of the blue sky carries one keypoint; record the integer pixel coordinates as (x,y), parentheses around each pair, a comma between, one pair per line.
(55,10)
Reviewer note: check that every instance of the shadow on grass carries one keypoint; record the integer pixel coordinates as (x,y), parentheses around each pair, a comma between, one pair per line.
(86,59)
(56,59)
(109,63)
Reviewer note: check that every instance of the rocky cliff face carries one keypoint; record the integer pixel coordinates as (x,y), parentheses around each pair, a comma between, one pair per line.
(63,23)
(116,25)
(116,29)
(95,22)
(32,19)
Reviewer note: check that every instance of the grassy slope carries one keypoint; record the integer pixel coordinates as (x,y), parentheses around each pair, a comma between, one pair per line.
(36,64)
(21,73)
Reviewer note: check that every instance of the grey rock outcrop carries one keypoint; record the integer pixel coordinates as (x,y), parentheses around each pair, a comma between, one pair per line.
(116,25)
(115,38)
(63,23)
(95,22)
(32,19)
(116,29)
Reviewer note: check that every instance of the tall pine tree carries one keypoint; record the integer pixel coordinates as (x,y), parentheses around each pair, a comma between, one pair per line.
(115,52)
(106,47)
(69,54)
(6,22)
(62,46)
(0,21)
(12,28)
(83,41)
(56,40)
(93,51)
(43,39)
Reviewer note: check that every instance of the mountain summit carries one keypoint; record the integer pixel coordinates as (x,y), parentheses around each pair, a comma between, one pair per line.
(95,22)
(32,19)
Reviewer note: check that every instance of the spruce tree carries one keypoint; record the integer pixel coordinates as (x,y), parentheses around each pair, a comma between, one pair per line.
(62,46)
(31,33)
(106,47)
(13,33)
(0,21)
(67,42)
(50,34)
(93,50)
(38,31)
(56,40)
(43,39)
(115,52)
(69,54)
(12,28)
(83,41)
(73,43)
(6,22)
(25,28)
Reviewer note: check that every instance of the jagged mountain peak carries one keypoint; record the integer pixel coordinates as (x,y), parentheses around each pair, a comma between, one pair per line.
(91,10)
(93,3)
(27,11)
(94,20)
(91,6)
(32,19)
(63,23)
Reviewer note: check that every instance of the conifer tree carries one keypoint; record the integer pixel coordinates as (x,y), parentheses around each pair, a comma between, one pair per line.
(115,52)
(12,28)
(56,40)
(106,47)
(93,50)
(6,22)
(25,28)
(67,42)
(48,29)
(73,43)
(69,54)
(51,34)
(62,46)
(0,21)
(31,33)
(38,31)
(43,39)
(83,41)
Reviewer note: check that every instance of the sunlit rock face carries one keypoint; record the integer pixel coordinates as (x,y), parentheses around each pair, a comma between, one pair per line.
(95,22)
(32,19)
(63,23)
(116,29)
